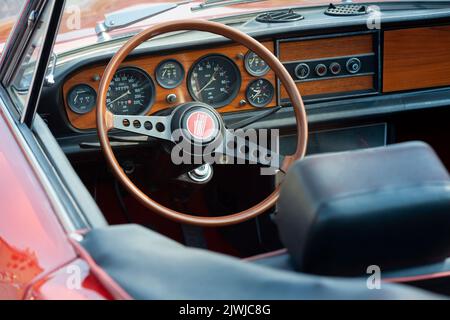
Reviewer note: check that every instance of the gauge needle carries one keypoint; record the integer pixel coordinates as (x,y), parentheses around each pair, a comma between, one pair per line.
(78,93)
(213,78)
(257,93)
(120,97)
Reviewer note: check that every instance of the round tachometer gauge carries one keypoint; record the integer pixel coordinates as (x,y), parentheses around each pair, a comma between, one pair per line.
(131,92)
(214,80)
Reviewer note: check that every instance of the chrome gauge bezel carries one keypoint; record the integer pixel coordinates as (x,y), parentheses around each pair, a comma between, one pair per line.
(147,108)
(249,69)
(161,81)
(236,88)
(259,105)
(74,108)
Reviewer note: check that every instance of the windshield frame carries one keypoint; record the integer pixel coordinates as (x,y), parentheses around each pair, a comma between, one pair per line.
(18,46)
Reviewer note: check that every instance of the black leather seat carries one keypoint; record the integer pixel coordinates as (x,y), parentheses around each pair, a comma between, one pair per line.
(342,212)
(344,198)
(150,266)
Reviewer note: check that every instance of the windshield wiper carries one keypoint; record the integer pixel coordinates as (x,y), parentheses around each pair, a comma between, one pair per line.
(219,3)
(124,18)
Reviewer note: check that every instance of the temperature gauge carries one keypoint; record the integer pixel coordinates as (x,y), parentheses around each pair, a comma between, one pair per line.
(255,65)
(169,74)
(81,98)
(260,93)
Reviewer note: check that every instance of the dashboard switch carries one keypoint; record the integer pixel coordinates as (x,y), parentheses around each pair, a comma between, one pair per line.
(302,71)
(321,69)
(353,65)
(171,98)
(335,68)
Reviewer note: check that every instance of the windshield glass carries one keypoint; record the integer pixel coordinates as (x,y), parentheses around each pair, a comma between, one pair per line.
(9,11)
(80,18)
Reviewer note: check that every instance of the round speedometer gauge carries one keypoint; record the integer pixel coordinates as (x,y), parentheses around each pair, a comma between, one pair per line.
(131,92)
(214,80)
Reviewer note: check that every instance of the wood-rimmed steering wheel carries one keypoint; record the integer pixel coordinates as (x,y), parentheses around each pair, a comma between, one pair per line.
(162,127)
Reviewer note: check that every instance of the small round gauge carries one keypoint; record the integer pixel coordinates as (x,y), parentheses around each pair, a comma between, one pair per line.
(81,98)
(214,80)
(131,92)
(255,65)
(260,92)
(169,74)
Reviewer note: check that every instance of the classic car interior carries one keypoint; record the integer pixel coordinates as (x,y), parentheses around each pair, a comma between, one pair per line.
(367,191)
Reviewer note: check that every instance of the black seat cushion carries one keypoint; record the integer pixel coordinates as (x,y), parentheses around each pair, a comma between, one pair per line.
(342,212)
(150,266)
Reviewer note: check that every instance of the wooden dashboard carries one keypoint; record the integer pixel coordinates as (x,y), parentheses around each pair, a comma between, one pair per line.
(416,58)
(236,53)
(332,66)
(328,51)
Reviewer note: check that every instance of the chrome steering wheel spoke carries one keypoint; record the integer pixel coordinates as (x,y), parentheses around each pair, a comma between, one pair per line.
(152,126)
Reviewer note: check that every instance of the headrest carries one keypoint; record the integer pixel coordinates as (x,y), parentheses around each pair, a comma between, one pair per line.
(342,212)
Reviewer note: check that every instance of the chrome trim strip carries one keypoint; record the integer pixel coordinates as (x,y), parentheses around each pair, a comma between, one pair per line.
(55,202)
(331,58)
(19,38)
(336,77)
(55,12)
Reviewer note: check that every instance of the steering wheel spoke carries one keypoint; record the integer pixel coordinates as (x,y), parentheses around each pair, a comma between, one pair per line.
(152,126)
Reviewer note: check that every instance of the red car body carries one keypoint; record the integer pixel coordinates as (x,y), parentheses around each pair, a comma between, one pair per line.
(34,249)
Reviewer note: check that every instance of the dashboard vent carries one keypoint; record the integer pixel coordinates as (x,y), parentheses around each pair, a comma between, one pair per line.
(346,10)
(279,17)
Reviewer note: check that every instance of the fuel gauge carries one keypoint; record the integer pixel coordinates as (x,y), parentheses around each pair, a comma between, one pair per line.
(255,65)
(169,74)
(81,98)
(260,92)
